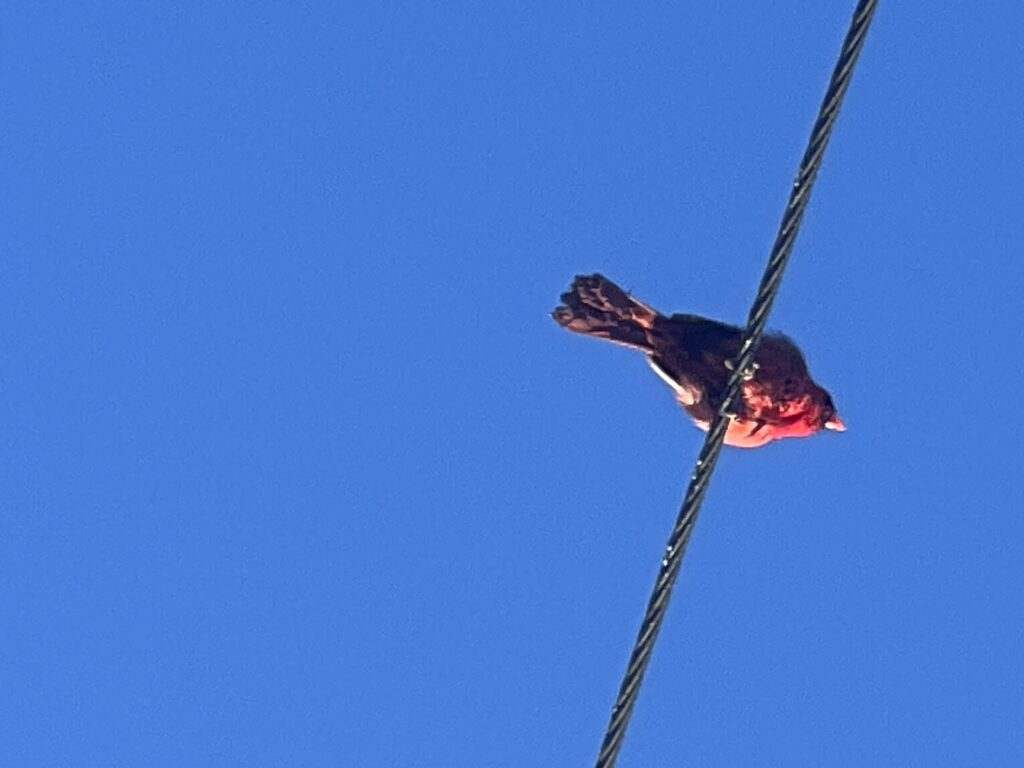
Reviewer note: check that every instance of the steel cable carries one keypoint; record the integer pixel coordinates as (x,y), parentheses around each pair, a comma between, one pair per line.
(742,368)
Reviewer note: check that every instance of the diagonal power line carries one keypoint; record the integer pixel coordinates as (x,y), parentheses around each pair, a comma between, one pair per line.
(744,364)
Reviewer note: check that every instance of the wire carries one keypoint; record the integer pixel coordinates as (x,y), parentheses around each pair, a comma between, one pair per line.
(743,368)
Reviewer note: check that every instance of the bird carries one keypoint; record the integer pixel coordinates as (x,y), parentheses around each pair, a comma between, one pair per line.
(693,355)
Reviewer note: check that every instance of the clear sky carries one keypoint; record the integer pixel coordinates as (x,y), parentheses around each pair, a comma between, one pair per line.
(297,471)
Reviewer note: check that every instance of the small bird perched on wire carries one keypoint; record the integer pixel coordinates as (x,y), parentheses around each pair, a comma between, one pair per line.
(694,356)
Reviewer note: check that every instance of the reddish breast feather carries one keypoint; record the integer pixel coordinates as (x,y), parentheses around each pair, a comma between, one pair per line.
(744,433)
(765,416)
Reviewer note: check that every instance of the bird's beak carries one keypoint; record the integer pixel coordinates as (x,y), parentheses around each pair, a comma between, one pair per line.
(835,424)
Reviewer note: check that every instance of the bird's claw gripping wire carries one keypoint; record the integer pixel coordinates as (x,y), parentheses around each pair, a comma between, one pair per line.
(748,374)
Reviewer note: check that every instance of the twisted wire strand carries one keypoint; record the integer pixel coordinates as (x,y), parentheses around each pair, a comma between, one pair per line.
(742,369)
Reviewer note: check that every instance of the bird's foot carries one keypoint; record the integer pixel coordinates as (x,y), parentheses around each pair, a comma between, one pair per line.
(748,374)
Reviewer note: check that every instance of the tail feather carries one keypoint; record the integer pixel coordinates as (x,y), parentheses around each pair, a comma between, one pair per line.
(595,306)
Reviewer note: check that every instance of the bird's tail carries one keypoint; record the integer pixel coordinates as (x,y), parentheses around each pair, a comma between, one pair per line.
(595,306)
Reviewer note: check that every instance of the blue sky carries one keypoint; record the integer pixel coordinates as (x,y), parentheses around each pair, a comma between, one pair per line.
(297,470)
